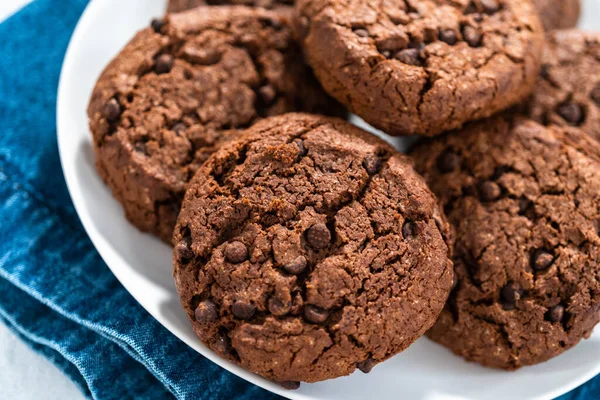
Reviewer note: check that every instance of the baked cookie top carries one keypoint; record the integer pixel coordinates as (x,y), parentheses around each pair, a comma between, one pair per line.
(568,90)
(310,248)
(181,88)
(524,200)
(422,67)
(182,5)
(558,14)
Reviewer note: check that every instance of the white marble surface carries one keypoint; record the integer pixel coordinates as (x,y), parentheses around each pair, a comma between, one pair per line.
(25,375)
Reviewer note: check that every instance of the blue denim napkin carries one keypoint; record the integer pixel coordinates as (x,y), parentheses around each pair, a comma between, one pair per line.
(56,294)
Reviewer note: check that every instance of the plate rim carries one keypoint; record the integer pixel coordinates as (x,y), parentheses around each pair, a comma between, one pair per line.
(98,241)
(107,253)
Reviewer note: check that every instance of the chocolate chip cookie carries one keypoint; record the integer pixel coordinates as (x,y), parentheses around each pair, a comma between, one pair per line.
(524,201)
(568,91)
(422,67)
(180,89)
(308,249)
(182,5)
(558,14)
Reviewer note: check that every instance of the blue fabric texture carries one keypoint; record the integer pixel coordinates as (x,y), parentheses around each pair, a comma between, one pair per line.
(56,294)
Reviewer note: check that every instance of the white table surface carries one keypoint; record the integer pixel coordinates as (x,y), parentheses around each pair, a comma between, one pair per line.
(25,375)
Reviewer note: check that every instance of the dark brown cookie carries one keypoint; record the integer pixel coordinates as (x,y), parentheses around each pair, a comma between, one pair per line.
(422,67)
(182,5)
(558,14)
(309,249)
(568,91)
(183,87)
(524,201)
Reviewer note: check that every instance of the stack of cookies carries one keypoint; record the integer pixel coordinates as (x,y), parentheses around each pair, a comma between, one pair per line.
(306,248)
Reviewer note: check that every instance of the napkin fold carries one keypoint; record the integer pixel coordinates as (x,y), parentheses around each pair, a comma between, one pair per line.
(56,294)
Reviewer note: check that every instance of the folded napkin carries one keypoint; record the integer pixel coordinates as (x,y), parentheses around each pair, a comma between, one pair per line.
(56,294)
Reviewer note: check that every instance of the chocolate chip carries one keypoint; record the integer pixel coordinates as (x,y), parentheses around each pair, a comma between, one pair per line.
(454,281)
(277,307)
(524,205)
(267,93)
(416,45)
(471,8)
(297,266)
(571,112)
(157,24)
(318,236)
(303,27)
(489,191)
(545,71)
(366,366)
(112,110)
(408,56)
(361,32)
(140,147)
(477,17)
(541,260)
(510,294)
(222,344)
(490,6)
(595,95)
(179,127)
(409,229)
(290,385)
(243,310)
(301,149)
(555,314)
(371,163)
(183,249)
(315,314)
(206,312)
(270,22)
(448,162)
(472,36)
(163,64)
(236,252)
(448,36)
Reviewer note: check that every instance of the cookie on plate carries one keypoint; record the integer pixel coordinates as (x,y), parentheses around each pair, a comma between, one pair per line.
(523,199)
(180,89)
(422,67)
(558,14)
(310,248)
(182,5)
(568,91)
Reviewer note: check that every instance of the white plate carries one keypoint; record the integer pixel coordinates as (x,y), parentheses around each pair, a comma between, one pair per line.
(143,263)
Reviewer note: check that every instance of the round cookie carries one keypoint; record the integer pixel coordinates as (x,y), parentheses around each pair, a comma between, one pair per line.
(180,89)
(310,248)
(422,67)
(524,202)
(558,14)
(568,91)
(182,5)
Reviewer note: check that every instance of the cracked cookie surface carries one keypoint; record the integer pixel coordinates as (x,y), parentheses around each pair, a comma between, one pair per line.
(558,14)
(182,5)
(422,67)
(524,200)
(183,87)
(310,248)
(568,90)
